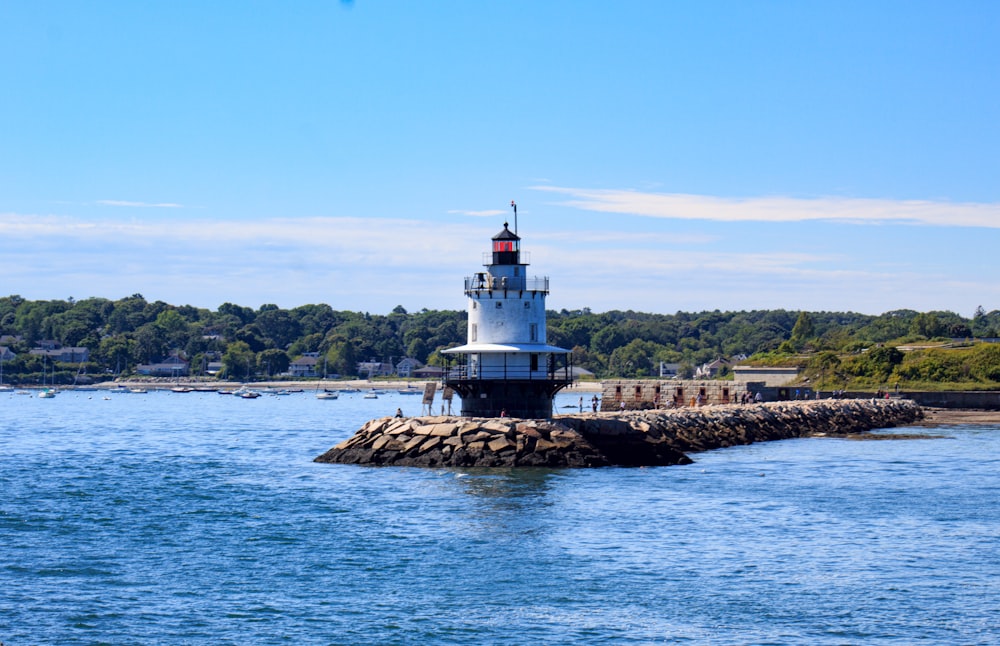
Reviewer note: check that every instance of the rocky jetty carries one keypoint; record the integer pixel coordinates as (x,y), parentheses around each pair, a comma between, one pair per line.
(629,438)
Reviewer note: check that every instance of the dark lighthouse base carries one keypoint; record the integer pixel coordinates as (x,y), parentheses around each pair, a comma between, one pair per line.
(526,399)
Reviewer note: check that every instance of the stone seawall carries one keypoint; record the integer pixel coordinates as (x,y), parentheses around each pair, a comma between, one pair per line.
(631,438)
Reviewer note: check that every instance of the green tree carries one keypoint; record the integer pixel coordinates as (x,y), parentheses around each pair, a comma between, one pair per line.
(803,330)
(272,362)
(244,315)
(342,356)
(607,340)
(927,325)
(116,352)
(173,328)
(150,344)
(127,314)
(881,361)
(635,359)
(418,350)
(238,360)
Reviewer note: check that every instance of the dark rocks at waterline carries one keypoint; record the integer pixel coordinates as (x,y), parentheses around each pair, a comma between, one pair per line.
(630,438)
(466,442)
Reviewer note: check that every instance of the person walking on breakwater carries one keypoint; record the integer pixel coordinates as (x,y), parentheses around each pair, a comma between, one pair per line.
(399,412)
(593,403)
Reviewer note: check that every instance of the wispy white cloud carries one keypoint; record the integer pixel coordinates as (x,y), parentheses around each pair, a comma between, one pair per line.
(157,205)
(352,237)
(477,214)
(366,264)
(603,238)
(351,263)
(779,209)
(654,281)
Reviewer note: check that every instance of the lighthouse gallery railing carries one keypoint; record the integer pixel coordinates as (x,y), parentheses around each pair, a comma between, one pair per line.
(558,374)
(483,282)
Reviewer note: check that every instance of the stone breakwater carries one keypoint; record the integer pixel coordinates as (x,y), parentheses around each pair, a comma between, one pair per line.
(630,438)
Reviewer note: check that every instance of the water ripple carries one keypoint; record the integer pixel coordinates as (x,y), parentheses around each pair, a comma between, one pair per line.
(139,520)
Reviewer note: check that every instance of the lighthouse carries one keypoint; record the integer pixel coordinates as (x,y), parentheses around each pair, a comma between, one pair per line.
(506,367)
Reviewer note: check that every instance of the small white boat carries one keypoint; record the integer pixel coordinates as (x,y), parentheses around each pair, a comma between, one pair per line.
(138,391)
(370,396)
(46,393)
(326,395)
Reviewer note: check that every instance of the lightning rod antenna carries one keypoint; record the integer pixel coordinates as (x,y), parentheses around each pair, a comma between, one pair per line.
(514,205)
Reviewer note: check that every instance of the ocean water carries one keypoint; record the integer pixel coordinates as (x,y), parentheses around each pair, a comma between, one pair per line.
(198,518)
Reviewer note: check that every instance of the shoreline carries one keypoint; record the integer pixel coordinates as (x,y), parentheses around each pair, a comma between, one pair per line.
(163,383)
(953,416)
(933,416)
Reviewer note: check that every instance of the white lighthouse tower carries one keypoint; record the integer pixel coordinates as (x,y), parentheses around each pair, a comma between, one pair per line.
(506,367)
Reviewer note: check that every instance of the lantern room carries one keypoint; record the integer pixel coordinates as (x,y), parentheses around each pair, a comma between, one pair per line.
(506,247)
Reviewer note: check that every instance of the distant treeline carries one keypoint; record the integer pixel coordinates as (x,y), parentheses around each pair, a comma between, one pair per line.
(124,333)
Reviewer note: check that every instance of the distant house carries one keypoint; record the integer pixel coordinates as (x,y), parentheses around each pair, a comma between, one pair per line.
(6,354)
(371,369)
(304,366)
(669,370)
(428,372)
(406,366)
(53,351)
(710,370)
(171,367)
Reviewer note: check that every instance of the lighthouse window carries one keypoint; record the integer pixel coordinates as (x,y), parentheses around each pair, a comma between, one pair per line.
(517,270)
(527,305)
(475,330)
(534,361)
(534,331)
(499,304)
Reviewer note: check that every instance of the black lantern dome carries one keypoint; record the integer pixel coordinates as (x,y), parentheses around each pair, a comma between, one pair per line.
(506,247)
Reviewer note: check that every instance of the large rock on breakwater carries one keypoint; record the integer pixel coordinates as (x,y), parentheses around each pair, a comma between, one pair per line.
(629,438)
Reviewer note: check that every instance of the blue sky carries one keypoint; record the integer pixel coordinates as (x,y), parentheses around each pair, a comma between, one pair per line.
(664,156)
